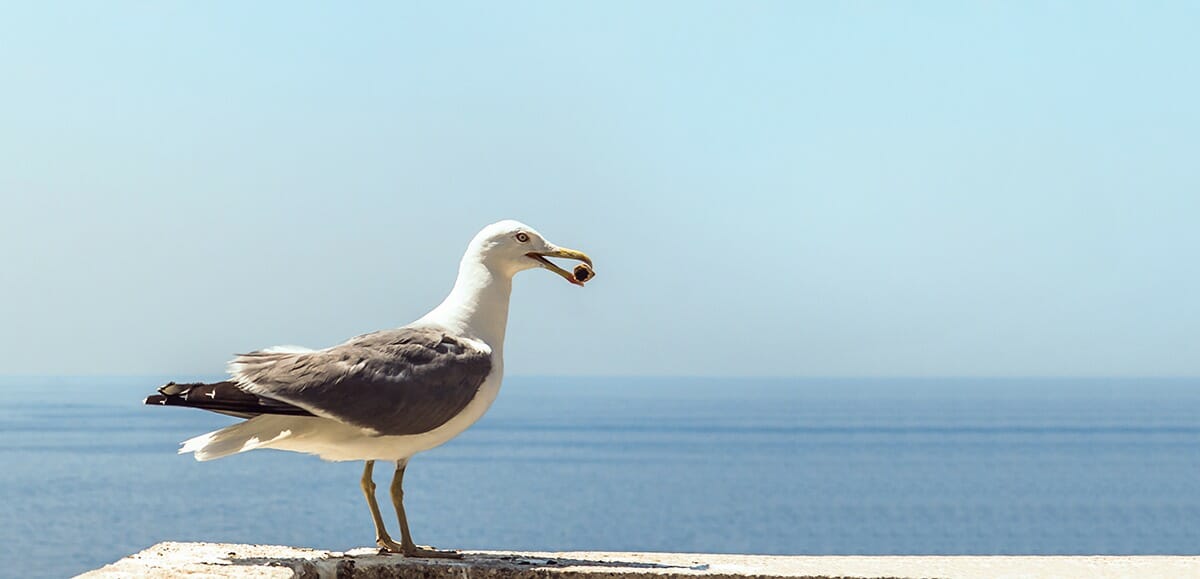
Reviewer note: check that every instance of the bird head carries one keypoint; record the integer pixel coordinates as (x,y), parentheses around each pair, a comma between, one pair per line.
(511,246)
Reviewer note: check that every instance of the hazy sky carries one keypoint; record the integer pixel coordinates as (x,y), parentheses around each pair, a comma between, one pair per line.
(856,189)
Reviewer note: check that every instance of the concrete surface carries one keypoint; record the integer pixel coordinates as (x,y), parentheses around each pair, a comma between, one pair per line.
(197,560)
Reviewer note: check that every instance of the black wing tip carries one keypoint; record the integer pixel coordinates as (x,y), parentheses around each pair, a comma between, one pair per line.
(170,389)
(169,393)
(222,397)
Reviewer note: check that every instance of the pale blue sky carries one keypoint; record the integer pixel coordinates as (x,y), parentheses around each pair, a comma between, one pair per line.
(837,189)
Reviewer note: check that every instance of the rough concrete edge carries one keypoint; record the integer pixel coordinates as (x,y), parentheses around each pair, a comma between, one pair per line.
(212,560)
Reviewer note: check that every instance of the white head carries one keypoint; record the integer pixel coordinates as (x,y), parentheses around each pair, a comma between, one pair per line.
(510,246)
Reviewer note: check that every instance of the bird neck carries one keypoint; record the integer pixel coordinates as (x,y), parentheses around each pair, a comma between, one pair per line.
(478,304)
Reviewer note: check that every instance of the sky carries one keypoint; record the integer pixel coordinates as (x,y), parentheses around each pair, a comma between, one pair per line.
(767,189)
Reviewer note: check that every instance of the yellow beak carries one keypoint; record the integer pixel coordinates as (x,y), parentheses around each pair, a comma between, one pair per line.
(563,252)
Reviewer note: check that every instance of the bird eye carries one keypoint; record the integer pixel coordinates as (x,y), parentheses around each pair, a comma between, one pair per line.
(523,237)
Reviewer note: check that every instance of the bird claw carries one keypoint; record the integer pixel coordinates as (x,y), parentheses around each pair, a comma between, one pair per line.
(387,546)
(431,553)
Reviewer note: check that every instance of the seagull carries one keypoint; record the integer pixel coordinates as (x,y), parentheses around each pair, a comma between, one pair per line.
(386,395)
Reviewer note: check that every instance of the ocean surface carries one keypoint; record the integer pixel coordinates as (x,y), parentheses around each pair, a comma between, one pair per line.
(781,466)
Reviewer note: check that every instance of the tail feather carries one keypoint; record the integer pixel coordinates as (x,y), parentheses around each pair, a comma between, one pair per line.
(254,433)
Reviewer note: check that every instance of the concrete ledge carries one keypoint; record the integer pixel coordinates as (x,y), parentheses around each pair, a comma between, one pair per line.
(195,560)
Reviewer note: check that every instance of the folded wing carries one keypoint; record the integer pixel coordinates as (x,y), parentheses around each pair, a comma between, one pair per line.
(394,382)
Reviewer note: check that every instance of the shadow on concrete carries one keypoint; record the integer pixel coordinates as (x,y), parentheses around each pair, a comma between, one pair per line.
(535,562)
(371,564)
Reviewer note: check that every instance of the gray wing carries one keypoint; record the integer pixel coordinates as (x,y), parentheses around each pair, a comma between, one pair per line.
(404,381)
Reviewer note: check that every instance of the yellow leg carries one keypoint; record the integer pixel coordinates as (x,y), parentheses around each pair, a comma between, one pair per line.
(385,542)
(409,548)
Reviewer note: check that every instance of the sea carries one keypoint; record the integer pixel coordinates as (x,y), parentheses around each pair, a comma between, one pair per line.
(719,465)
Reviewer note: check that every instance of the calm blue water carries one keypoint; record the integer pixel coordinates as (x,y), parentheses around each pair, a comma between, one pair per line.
(752,466)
